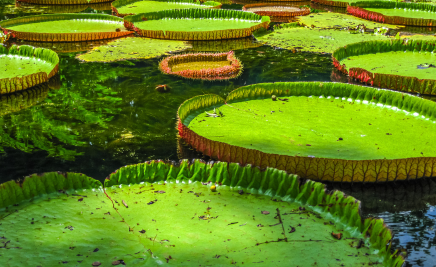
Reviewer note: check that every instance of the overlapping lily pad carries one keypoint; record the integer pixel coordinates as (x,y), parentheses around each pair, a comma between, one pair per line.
(336,20)
(224,45)
(25,66)
(65,27)
(168,215)
(291,37)
(132,48)
(204,66)
(323,131)
(46,9)
(131,7)
(196,24)
(406,65)
(399,13)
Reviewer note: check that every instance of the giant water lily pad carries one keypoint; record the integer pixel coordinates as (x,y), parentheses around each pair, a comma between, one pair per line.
(204,66)
(65,27)
(132,48)
(413,14)
(314,40)
(296,132)
(196,24)
(25,66)
(406,65)
(277,10)
(224,45)
(131,7)
(337,20)
(159,214)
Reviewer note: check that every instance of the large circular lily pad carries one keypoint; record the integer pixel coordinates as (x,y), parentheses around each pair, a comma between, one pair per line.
(291,36)
(132,48)
(196,24)
(25,66)
(406,65)
(399,13)
(163,214)
(337,20)
(204,66)
(131,7)
(322,131)
(65,27)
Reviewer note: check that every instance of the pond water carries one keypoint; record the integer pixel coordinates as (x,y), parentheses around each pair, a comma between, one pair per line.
(106,115)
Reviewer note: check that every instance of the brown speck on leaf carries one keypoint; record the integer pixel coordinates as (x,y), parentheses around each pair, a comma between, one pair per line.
(337,236)
(116,262)
(95,250)
(265,212)
(308,145)
(125,204)
(96,263)
(142,231)
(80,199)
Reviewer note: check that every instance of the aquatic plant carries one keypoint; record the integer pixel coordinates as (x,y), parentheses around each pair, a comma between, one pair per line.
(276,10)
(209,24)
(64,2)
(384,80)
(205,66)
(360,9)
(124,8)
(294,137)
(42,64)
(267,208)
(335,20)
(331,3)
(132,48)
(293,37)
(64,27)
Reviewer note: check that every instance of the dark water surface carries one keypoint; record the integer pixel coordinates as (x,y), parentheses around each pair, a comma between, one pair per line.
(102,116)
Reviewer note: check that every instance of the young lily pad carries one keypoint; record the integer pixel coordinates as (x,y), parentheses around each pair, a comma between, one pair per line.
(293,130)
(399,13)
(276,10)
(314,40)
(46,9)
(131,7)
(391,64)
(204,66)
(337,20)
(25,66)
(23,99)
(132,48)
(196,24)
(65,27)
(186,215)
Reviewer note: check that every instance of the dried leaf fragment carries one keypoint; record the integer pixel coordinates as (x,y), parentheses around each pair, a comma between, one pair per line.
(125,204)
(337,236)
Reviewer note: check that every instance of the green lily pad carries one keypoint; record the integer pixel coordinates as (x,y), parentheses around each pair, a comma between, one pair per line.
(400,13)
(132,48)
(196,24)
(65,27)
(64,2)
(314,40)
(296,128)
(159,214)
(224,45)
(25,66)
(405,63)
(131,7)
(337,20)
